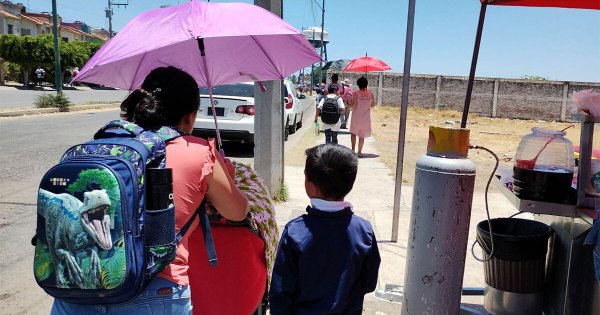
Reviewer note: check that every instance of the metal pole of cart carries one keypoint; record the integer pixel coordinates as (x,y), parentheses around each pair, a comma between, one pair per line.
(465,114)
(403,109)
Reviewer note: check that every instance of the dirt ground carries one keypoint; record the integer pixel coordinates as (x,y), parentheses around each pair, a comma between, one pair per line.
(501,135)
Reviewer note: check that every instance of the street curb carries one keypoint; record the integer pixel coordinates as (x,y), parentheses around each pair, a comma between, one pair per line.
(38,111)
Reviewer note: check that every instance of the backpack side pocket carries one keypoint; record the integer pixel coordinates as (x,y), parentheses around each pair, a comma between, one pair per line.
(160,239)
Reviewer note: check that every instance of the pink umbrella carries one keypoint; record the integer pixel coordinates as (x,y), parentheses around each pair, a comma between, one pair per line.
(216,43)
(366,64)
(240,42)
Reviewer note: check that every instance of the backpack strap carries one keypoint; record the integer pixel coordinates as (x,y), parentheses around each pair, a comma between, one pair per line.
(156,141)
(119,128)
(205,225)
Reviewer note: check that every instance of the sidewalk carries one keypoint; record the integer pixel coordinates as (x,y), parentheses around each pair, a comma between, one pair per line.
(373,199)
(14,112)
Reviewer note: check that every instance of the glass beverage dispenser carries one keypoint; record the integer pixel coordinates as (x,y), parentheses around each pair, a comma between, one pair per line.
(544,164)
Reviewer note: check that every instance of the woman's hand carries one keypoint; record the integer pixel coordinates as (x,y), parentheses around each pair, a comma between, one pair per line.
(229,167)
(224,194)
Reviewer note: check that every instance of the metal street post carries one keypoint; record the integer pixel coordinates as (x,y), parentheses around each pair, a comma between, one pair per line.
(268,143)
(322,30)
(109,14)
(57,71)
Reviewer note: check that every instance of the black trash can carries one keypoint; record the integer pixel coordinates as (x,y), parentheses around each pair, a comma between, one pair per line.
(518,265)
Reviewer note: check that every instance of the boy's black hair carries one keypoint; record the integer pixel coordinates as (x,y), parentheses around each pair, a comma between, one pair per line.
(362,83)
(332,168)
(332,88)
(334,78)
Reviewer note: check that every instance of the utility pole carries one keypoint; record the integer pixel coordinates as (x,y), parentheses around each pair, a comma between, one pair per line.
(109,14)
(57,71)
(268,122)
(322,30)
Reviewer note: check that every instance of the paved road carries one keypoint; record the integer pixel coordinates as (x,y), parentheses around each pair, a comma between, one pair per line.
(13,97)
(29,146)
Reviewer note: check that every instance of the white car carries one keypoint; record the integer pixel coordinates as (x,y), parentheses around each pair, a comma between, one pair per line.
(296,104)
(234,106)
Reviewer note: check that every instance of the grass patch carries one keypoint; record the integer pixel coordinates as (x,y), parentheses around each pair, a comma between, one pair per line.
(60,101)
(282,195)
(295,156)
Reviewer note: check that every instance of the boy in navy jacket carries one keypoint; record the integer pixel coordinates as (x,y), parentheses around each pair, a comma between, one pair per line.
(328,258)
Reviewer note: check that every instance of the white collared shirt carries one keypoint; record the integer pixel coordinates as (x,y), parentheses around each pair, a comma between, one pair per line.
(329,206)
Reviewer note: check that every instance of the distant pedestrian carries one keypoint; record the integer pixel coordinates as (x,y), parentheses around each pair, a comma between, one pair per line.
(330,109)
(75,73)
(346,95)
(40,73)
(360,126)
(334,81)
(328,258)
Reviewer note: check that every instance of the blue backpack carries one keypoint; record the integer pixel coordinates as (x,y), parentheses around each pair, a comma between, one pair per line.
(96,242)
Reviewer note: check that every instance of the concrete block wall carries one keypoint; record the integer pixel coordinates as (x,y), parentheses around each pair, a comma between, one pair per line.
(494,97)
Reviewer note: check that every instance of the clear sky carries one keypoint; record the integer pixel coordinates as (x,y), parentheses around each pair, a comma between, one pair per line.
(558,44)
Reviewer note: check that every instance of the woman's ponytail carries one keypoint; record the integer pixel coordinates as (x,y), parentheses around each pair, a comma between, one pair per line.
(142,108)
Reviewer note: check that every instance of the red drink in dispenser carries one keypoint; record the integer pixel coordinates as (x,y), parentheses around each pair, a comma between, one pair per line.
(544,166)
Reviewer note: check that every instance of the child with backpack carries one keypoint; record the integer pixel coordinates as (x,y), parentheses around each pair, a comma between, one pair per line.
(106,238)
(328,258)
(330,108)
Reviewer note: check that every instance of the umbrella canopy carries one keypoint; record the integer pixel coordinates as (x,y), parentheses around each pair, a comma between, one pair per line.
(366,64)
(239,42)
(575,4)
(336,65)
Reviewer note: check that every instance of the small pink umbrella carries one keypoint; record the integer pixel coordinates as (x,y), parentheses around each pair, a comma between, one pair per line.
(366,64)
(216,43)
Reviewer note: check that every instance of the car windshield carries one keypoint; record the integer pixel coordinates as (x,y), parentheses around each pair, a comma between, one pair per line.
(243,90)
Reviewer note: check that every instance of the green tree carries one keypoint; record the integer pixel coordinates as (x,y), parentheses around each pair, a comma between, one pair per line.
(24,51)
(316,72)
(30,52)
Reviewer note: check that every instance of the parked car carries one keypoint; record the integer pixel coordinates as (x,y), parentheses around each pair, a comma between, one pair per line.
(296,104)
(234,107)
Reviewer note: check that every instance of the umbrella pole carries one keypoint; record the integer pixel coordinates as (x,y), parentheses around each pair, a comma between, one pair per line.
(463,123)
(210,92)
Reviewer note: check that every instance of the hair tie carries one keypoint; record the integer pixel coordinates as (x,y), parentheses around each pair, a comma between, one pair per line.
(156,91)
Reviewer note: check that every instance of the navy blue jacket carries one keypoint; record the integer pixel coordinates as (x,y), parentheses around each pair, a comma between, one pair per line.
(325,264)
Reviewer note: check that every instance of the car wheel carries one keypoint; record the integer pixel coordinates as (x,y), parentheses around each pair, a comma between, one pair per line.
(286,131)
(299,124)
(292,127)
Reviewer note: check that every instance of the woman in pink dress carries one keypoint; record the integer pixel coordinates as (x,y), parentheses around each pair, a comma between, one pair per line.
(360,121)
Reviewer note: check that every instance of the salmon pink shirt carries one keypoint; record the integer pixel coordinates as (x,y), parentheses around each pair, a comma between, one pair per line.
(192,160)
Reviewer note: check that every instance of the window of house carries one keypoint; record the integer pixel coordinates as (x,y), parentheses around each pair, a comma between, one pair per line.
(25,31)
(48,30)
(10,29)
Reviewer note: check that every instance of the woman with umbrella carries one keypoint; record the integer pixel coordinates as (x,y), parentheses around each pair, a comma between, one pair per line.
(360,123)
(169,97)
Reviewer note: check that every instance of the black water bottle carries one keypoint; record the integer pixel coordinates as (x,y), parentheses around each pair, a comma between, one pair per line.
(159,188)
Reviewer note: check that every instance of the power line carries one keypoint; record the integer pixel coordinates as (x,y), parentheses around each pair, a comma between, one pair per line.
(320,7)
